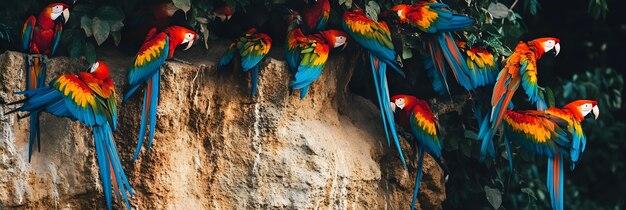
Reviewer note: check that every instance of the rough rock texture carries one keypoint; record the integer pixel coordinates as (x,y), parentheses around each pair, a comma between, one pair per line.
(216,148)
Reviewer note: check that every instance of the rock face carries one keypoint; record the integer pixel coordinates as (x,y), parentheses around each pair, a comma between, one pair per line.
(215,147)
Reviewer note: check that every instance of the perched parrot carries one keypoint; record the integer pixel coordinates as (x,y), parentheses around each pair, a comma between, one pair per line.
(553,133)
(316,16)
(416,116)
(158,14)
(437,21)
(146,73)
(294,37)
(252,47)
(481,63)
(90,98)
(310,55)
(376,38)
(40,38)
(222,11)
(520,69)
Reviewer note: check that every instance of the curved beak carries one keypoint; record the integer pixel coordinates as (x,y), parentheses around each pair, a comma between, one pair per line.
(596,112)
(557,49)
(189,44)
(66,15)
(228,17)
(344,46)
(393,107)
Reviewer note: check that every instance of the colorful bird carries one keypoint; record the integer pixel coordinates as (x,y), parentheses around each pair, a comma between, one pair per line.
(376,38)
(552,133)
(416,116)
(158,14)
(520,69)
(481,63)
(437,21)
(316,16)
(146,73)
(90,98)
(40,38)
(294,37)
(311,55)
(222,11)
(252,47)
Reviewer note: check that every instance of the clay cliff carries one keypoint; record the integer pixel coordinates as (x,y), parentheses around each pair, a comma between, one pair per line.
(215,147)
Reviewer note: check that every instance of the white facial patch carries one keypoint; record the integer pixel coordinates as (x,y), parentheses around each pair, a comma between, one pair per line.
(189,37)
(56,12)
(399,13)
(340,40)
(548,45)
(585,109)
(94,67)
(400,103)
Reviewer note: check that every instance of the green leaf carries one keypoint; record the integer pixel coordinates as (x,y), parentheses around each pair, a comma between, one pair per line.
(110,13)
(470,135)
(407,53)
(116,25)
(498,10)
(494,196)
(184,5)
(101,30)
(85,24)
(371,10)
(117,37)
(90,53)
(347,3)
(533,6)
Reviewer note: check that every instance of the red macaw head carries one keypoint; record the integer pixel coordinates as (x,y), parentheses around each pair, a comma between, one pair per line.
(56,10)
(223,12)
(183,35)
(401,10)
(99,70)
(583,107)
(547,44)
(336,37)
(403,102)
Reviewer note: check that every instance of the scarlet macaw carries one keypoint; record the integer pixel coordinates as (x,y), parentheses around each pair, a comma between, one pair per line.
(90,98)
(146,72)
(376,38)
(553,133)
(41,36)
(311,55)
(252,47)
(520,69)
(294,37)
(316,16)
(437,19)
(481,63)
(416,116)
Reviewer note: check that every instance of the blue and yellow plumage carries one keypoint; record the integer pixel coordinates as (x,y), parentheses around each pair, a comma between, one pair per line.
(145,74)
(90,98)
(252,48)
(376,38)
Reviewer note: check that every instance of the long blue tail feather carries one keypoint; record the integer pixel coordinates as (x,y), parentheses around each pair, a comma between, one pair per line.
(387,109)
(108,158)
(439,84)
(154,101)
(255,79)
(380,101)
(556,199)
(418,176)
(455,60)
